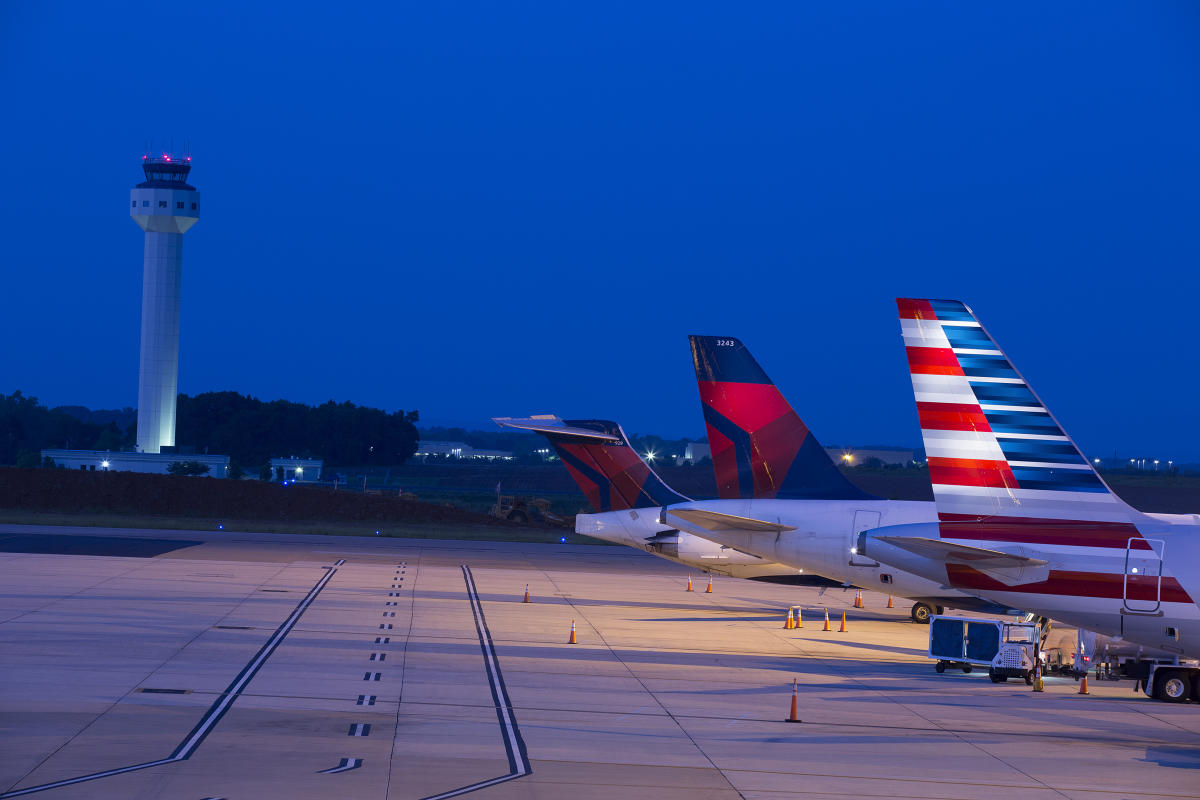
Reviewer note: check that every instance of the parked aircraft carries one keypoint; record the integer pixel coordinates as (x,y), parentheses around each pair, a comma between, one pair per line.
(1023,517)
(626,495)
(783,498)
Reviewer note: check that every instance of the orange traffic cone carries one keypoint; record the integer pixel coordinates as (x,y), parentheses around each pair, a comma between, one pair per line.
(790,622)
(527,600)
(572,640)
(890,603)
(709,589)
(690,589)
(858,603)
(792,717)
(799,622)
(1083,685)
(843,628)
(827,628)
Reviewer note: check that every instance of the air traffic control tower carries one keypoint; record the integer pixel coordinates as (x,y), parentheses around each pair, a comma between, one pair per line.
(165,207)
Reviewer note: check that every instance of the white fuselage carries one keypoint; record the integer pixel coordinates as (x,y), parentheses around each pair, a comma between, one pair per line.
(824,538)
(1145,593)
(641,529)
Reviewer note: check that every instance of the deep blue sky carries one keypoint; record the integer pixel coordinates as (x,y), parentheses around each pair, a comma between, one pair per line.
(479,209)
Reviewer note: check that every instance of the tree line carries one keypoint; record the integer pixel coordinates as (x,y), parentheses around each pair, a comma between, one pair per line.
(251,431)
(27,427)
(248,430)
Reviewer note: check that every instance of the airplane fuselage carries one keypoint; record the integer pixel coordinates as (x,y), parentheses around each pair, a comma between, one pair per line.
(1142,588)
(640,528)
(824,538)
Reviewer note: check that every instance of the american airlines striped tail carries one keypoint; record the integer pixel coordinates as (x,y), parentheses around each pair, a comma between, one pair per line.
(994,450)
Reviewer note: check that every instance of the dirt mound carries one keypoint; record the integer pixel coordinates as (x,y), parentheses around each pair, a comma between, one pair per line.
(70,491)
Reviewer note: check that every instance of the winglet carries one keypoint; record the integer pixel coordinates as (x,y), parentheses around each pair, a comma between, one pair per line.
(596,452)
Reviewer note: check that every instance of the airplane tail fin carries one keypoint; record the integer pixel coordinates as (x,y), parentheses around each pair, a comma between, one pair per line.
(994,450)
(760,446)
(597,453)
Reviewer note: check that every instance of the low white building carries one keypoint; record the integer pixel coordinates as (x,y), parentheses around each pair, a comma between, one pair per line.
(459,450)
(845,456)
(298,469)
(694,453)
(155,463)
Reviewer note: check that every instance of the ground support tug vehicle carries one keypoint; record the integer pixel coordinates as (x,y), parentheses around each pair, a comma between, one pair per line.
(1006,649)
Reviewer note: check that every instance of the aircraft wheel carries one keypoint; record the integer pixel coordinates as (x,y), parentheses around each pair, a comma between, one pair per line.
(921,613)
(1173,687)
(966,668)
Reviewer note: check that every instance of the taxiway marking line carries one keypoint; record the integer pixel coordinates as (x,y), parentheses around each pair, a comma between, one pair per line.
(217,710)
(344,765)
(514,744)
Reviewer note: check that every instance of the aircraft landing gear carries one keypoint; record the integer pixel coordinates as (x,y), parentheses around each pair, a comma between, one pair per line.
(921,612)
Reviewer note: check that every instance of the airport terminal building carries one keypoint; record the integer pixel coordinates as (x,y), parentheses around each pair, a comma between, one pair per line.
(157,463)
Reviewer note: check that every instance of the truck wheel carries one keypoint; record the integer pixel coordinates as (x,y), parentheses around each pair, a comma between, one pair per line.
(1028,676)
(518,516)
(921,613)
(939,667)
(1173,686)
(967,668)
(996,677)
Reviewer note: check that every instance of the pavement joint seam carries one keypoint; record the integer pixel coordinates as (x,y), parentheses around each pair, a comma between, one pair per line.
(250,593)
(645,688)
(215,712)
(908,708)
(403,664)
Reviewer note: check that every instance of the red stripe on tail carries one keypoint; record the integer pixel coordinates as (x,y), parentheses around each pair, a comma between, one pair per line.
(971,472)
(915,309)
(932,361)
(952,417)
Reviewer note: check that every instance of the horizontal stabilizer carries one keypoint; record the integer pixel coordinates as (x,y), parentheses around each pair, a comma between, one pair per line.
(1009,569)
(714,521)
(550,424)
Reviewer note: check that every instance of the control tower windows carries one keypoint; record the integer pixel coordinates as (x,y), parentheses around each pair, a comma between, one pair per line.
(145,204)
(179,204)
(133,203)
(162,203)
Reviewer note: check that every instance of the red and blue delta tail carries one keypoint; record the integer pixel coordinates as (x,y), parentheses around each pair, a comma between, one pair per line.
(760,447)
(994,450)
(610,473)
